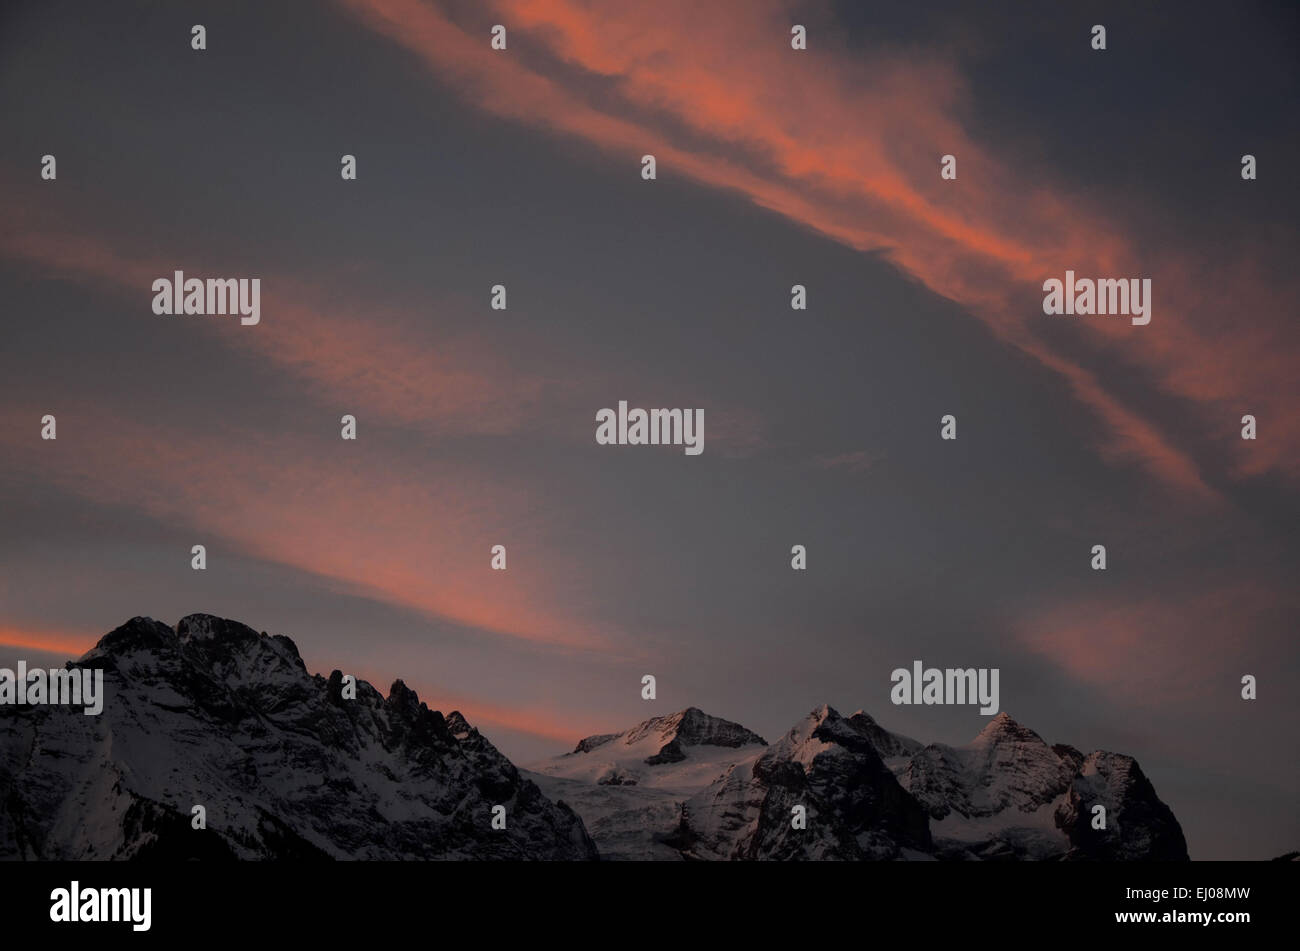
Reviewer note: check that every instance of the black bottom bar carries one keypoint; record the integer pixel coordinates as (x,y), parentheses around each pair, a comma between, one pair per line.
(991,903)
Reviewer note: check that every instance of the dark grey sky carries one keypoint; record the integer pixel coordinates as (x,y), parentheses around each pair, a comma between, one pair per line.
(821,427)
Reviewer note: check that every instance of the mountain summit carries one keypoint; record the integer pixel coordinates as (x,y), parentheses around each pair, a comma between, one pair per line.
(629,787)
(865,793)
(212,714)
(672,734)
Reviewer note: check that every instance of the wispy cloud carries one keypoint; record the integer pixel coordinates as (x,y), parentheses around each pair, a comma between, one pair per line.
(37,638)
(851,149)
(373,525)
(1161,647)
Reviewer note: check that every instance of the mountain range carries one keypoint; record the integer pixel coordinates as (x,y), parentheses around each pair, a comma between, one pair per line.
(692,786)
(290,765)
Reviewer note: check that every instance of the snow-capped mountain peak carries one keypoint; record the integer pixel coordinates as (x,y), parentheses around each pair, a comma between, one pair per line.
(211,713)
(689,727)
(865,792)
(1003,729)
(668,751)
(629,786)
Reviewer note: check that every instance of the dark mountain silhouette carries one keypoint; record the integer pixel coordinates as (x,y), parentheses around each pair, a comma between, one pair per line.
(211,713)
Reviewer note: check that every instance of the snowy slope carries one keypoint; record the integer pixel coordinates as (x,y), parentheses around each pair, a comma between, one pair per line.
(682,751)
(629,787)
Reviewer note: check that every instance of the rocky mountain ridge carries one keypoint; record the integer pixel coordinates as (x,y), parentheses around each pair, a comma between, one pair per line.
(290,765)
(212,714)
(865,792)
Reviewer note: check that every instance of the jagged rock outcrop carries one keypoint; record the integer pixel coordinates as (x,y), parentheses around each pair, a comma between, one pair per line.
(1006,765)
(1009,795)
(853,806)
(212,713)
(1138,824)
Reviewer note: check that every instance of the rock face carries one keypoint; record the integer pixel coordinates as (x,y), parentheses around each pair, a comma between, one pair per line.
(1008,795)
(853,806)
(1142,826)
(867,793)
(211,713)
(1005,766)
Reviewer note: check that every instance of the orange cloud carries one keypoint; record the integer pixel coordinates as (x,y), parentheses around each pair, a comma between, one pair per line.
(537,721)
(851,150)
(387,365)
(418,538)
(52,642)
(1156,648)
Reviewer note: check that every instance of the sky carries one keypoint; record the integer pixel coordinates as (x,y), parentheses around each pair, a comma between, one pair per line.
(476,427)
